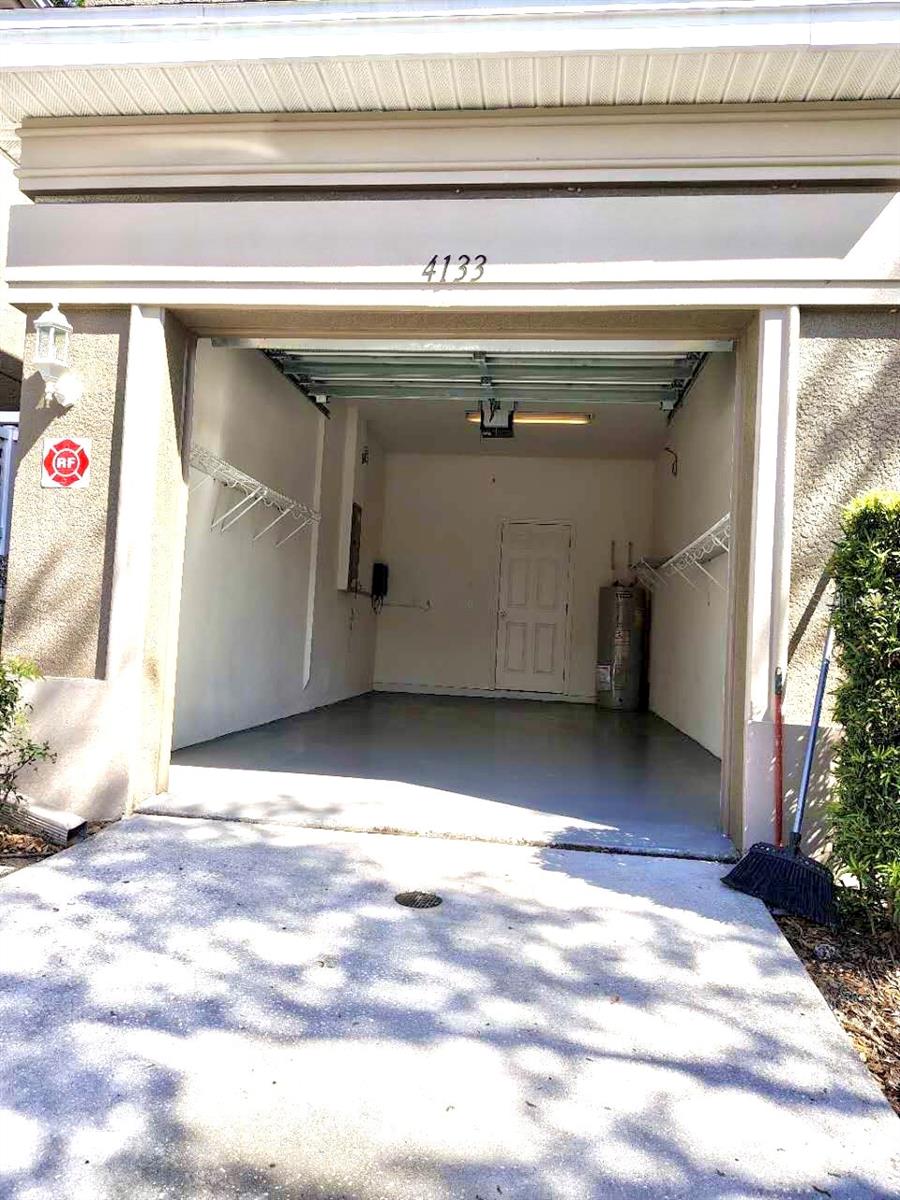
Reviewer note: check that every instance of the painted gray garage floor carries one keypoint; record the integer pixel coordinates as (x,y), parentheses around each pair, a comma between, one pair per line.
(207,1010)
(514,771)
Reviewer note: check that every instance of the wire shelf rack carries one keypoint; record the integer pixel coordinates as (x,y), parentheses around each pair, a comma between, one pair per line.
(253,492)
(695,555)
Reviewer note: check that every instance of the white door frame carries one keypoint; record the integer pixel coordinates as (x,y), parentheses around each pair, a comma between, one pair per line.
(503,524)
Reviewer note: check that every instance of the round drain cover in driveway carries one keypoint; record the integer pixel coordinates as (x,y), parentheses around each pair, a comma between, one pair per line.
(418,899)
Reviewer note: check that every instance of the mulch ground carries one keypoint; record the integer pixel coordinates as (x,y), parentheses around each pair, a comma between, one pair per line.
(857,970)
(22,848)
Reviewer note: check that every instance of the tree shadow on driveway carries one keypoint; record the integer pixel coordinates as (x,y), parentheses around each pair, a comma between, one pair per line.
(207,1009)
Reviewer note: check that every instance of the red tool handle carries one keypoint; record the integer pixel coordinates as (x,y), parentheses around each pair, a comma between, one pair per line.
(779,758)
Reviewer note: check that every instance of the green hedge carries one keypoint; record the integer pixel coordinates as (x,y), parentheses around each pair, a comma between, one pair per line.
(18,752)
(866,811)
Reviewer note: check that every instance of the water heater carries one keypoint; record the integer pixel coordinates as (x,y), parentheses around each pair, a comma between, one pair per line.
(622,627)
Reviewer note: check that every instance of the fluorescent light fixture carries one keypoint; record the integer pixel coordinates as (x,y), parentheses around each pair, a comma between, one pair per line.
(539,418)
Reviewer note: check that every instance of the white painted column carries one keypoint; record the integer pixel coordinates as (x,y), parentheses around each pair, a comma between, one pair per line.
(135,512)
(770,558)
(176,567)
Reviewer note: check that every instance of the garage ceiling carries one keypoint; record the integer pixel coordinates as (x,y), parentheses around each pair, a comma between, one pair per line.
(616,431)
(414,395)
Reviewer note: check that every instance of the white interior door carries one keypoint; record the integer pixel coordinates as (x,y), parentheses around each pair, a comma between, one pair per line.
(534,605)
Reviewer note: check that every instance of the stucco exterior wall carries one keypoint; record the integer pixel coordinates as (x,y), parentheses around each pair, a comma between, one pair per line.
(92,571)
(848,442)
(62,540)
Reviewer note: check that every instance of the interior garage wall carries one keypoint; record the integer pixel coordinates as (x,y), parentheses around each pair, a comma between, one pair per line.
(245,618)
(344,626)
(688,640)
(441,539)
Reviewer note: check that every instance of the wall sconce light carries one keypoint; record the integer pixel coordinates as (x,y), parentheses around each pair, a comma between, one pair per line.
(52,358)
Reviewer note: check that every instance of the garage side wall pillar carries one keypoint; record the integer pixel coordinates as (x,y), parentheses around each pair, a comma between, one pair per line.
(762,567)
(848,442)
(94,574)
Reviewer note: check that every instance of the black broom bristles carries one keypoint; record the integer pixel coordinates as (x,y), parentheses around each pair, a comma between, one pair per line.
(786,879)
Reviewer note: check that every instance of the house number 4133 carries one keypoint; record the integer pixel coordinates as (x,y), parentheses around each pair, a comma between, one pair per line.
(464,269)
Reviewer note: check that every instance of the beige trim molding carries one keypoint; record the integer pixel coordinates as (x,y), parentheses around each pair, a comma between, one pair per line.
(294,300)
(732,250)
(702,144)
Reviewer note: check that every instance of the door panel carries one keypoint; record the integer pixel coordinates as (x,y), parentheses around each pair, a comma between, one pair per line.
(546,583)
(517,588)
(531,625)
(544,649)
(514,657)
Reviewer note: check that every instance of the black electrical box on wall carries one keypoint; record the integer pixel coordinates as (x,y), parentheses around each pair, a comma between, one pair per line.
(379,580)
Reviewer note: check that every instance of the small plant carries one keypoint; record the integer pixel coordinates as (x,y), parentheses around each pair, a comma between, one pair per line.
(866,812)
(17,751)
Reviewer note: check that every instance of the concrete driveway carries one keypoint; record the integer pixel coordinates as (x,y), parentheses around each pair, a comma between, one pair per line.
(204,1009)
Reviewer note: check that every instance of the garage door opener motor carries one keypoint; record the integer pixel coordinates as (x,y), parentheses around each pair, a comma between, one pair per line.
(497,418)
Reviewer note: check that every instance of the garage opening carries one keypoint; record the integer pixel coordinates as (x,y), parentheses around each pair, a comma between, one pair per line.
(472,590)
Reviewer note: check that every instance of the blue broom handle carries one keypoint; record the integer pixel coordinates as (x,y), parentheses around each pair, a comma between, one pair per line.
(811,742)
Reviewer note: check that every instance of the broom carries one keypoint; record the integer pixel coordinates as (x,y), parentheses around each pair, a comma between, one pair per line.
(779,758)
(783,877)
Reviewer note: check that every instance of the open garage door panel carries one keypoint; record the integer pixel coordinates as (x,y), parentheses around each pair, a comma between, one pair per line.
(529,376)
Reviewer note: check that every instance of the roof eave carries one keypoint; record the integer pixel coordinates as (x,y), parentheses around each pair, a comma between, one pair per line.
(39,39)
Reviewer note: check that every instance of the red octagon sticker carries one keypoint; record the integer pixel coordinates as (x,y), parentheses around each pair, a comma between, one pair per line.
(66,462)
